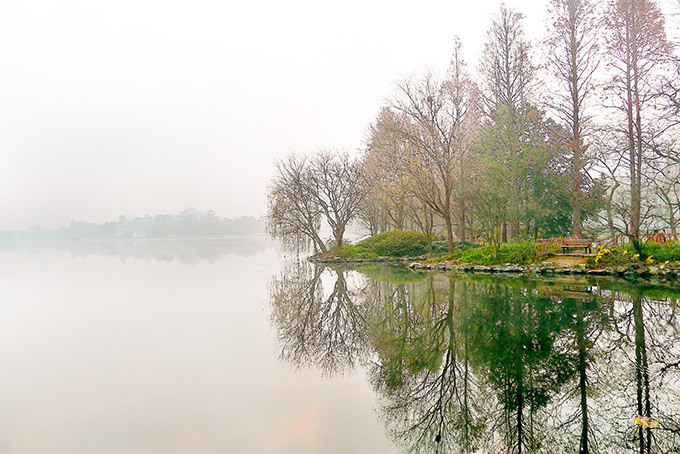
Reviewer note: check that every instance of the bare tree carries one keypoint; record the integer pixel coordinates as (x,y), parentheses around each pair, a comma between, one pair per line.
(306,190)
(293,213)
(336,181)
(664,183)
(466,118)
(505,66)
(439,125)
(637,45)
(508,75)
(388,200)
(573,54)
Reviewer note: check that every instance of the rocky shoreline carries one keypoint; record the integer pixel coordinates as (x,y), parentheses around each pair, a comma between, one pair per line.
(629,271)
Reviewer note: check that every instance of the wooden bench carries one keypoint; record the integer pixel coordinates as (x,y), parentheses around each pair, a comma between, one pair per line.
(576,243)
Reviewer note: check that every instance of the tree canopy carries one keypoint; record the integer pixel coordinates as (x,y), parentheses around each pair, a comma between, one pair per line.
(575,135)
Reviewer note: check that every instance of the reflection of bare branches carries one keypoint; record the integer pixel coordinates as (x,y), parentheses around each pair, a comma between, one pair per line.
(568,368)
(493,365)
(577,421)
(328,331)
(642,345)
(430,396)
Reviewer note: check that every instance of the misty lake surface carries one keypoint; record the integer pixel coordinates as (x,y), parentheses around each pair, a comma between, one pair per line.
(232,346)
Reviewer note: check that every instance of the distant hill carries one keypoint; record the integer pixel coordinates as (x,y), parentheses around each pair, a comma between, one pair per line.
(188,223)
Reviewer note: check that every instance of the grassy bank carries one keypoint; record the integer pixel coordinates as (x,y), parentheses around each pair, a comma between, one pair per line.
(407,243)
(519,253)
(397,244)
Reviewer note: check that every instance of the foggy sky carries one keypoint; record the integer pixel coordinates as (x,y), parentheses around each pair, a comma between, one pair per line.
(146,106)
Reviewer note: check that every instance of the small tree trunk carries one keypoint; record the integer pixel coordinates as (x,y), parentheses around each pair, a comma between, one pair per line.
(461,222)
(671,218)
(338,233)
(576,230)
(449,232)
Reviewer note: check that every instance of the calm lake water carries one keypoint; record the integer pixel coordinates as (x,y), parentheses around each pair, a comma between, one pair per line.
(230,346)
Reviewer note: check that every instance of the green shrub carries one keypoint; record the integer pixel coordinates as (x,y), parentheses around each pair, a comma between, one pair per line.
(521,253)
(662,252)
(441,247)
(356,251)
(397,243)
(438,247)
(465,245)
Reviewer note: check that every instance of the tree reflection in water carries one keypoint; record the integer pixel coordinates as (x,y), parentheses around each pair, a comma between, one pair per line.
(324,329)
(491,365)
(430,398)
(515,344)
(644,350)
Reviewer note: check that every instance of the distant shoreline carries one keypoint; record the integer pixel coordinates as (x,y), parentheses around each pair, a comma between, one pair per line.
(187,224)
(128,239)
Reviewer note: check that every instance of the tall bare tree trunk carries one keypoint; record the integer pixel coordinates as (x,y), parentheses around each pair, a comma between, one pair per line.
(508,72)
(637,45)
(576,140)
(634,142)
(513,233)
(574,56)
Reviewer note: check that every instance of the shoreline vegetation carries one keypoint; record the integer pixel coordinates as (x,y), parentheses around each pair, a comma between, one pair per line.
(518,148)
(413,250)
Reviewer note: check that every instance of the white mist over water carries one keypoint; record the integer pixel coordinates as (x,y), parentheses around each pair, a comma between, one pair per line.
(146,356)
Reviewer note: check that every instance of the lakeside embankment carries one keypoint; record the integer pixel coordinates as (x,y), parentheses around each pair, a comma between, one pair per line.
(660,261)
(627,271)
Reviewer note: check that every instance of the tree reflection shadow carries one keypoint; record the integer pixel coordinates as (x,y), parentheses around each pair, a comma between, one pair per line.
(326,329)
(494,365)
(431,400)
(644,347)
